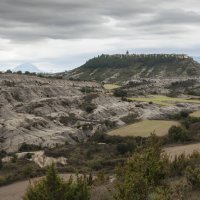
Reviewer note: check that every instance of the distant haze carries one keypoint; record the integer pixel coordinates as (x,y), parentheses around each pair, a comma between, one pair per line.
(27,67)
(61,35)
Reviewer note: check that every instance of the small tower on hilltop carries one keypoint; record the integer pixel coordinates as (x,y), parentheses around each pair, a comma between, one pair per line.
(127,52)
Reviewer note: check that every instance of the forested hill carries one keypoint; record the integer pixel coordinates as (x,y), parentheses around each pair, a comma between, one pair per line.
(123,67)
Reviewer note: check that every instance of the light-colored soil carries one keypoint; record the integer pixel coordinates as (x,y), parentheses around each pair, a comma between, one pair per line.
(145,128)
(178,150)
(195,114)
(16,191)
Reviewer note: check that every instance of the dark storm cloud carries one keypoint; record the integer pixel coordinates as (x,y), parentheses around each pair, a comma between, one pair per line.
(68,19)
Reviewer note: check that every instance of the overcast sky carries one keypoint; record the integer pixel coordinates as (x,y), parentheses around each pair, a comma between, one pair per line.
(58,35)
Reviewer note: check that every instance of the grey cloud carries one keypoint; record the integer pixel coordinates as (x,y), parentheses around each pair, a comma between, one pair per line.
(22,20)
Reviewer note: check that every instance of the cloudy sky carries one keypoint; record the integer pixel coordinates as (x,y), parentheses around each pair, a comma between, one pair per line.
(58,35)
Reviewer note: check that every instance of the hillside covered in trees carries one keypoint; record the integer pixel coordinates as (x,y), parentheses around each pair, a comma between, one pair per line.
(123,67)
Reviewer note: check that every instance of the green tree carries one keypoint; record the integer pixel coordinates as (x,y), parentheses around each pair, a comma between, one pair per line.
(193,177)
(1,163)
(8,71)
(27,72)
(143,172)
(178,134)
(52,187)
(19,72)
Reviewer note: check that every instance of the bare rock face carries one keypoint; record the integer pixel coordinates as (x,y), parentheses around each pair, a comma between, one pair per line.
(50,112)
(31,109)
(37,157)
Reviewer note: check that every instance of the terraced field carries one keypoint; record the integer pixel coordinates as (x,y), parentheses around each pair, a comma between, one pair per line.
(111,86)
(165,101)
(181,149)
(145,128)
(195,114)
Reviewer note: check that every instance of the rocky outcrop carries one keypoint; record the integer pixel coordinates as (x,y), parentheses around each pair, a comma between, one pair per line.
(49,112)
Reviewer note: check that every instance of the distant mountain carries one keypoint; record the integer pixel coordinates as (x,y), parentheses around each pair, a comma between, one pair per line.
(197,58)
(122,67)
(27,67)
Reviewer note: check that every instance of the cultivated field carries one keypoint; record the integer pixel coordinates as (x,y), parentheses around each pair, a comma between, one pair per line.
(164,100)
(195,114)
(111,86)
(178,150)
(145,128)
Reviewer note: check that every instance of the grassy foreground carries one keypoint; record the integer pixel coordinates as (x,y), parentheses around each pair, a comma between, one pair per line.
(164,100)
(144,128)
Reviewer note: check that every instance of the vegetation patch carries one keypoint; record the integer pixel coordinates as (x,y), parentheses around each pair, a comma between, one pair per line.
(111,86)
(164,100)
(145,128)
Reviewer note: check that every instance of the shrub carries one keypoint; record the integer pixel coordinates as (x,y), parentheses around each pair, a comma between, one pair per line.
(193,177)
(29,147)
(27,73)
(89,107)
(178,134)
(87,89)
(1,163)
(8,71)
(19,72)
(143,172)
(184,114)
(120,93)
(14,158)
(52,187)
(122,148)
(178,165)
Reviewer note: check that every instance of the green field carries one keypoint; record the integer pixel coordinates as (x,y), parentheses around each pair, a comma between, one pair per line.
(111,86)
(195,114)
(164,100)
(144,128)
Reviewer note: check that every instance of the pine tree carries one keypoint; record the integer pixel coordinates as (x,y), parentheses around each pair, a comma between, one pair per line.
(52,187)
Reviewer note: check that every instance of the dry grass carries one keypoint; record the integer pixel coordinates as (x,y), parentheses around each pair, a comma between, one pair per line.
(145,128)
(195,114)
(180,149)
(111,86)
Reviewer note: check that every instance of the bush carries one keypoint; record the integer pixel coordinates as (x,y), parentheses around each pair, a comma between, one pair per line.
(178,134)
(87,89)
(89,107)
(184,114)
(193,177)
(52,187)
(19,72)
(29,147)
(27,73)
(1,163)
(8,71)
(142,173)
(122,148)
(120,93)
